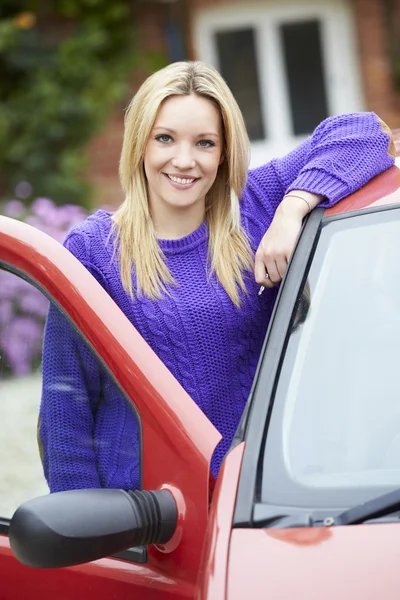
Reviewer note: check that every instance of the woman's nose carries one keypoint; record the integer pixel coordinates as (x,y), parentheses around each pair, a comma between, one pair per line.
(183,159)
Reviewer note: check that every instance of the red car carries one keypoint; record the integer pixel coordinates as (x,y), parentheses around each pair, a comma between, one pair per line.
(307,503)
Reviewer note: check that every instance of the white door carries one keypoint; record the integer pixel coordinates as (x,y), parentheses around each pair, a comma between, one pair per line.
(289,64)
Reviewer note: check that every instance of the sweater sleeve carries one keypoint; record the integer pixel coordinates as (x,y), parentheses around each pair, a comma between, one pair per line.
(71,389)
(342,155)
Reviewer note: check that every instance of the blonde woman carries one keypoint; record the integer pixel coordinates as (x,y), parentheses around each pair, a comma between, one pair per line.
(184,257)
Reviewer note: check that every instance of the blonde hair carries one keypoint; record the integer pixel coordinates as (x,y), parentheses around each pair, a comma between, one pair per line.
(229,249)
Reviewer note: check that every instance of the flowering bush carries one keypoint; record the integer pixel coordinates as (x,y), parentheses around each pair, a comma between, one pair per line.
(23,308)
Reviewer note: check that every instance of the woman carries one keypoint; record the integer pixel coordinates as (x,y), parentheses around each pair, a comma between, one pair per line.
(184,257)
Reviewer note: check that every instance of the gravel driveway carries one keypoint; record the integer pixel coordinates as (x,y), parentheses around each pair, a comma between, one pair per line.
(21,475)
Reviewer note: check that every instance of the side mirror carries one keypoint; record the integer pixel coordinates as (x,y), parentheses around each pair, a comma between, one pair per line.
(78,526)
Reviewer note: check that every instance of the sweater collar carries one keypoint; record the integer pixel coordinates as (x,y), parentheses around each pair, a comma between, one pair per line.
(188,242)
(172,247)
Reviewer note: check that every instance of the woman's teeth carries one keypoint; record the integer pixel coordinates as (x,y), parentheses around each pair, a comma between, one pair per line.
(180,180)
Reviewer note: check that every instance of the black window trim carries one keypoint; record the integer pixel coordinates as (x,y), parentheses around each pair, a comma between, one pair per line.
(258,410)
(262,392)
(137,554)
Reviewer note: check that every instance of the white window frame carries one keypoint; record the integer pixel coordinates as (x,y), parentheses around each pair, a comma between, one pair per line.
(339,59)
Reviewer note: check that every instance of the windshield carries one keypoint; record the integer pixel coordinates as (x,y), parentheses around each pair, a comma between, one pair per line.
(334,435)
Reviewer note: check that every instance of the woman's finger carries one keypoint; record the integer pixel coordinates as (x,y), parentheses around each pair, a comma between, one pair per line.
(259,270)
(281,265)
(272,270)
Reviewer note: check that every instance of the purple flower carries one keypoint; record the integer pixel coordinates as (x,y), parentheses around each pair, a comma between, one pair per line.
(34,303)
(21,344)
(14,209)
(34,221)
(5,312)
(23,189)
(55,220)
(70,214)
(23,309)
(42,206)
(11,286)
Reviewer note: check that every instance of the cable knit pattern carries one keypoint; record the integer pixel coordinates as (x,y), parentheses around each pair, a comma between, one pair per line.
(88,430)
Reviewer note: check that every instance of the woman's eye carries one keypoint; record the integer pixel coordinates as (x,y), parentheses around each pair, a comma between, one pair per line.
(163,138)
(206,143)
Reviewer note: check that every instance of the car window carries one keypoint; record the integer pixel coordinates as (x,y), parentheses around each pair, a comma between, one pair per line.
(334,434)
(88,430)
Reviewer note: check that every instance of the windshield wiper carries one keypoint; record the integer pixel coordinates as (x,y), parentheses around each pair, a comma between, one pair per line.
(380,506)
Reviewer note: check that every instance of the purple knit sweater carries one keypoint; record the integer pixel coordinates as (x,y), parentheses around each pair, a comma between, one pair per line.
(88,430)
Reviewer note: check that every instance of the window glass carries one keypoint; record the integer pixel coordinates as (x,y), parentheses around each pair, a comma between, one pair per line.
(237,58)
(88,431)
(334,436)
(302,53)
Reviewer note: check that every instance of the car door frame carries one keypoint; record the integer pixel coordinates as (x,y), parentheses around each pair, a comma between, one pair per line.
(169,417)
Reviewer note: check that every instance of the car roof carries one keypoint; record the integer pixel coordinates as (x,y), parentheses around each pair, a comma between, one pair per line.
(380,191)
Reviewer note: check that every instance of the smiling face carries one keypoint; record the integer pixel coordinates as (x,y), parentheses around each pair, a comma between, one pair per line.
(183,155)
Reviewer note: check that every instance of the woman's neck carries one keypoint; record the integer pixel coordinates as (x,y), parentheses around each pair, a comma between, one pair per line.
(173,224)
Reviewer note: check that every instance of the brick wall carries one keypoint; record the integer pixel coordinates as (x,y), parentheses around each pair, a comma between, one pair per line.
(374,51)
(104,149)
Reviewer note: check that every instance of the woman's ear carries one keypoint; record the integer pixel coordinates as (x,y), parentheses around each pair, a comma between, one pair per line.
(222,158)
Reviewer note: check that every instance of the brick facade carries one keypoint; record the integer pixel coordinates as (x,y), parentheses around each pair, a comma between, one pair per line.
(104,149)
(374,52)
(374,48)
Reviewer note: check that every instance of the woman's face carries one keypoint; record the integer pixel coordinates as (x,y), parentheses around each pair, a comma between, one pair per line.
(183,153)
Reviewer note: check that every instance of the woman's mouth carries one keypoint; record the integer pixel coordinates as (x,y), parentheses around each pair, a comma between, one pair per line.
(182,183)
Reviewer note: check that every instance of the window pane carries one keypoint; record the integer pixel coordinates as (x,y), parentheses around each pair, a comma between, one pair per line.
(238,65)
(302,53)
(334,437)
(22,314)
(88,429)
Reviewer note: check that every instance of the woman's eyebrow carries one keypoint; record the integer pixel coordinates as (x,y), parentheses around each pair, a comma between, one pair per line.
(210,134)
(165,128)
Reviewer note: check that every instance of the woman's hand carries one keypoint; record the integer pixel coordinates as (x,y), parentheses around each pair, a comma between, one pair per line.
(277,245)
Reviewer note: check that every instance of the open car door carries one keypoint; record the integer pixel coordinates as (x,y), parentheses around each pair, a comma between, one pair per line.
(177,440)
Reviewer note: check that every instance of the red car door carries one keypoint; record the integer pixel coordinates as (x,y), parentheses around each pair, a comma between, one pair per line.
(177,439)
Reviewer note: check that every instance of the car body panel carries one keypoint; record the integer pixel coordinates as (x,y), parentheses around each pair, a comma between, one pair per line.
(104,579)
(169,417)
(212,574)
(359,561)
(380,191)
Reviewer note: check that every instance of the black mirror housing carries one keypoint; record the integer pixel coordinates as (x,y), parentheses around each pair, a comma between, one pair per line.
(73,527)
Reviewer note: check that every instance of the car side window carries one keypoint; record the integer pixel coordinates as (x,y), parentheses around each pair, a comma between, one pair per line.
(334,434)
(65,422)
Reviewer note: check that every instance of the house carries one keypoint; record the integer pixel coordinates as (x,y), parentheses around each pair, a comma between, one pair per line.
(290,64)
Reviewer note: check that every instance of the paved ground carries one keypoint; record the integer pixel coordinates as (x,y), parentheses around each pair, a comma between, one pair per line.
(21,475)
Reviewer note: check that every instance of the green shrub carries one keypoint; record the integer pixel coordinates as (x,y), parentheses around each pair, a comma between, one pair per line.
(64,65)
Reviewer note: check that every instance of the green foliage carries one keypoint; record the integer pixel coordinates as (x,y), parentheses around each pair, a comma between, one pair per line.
(64,64)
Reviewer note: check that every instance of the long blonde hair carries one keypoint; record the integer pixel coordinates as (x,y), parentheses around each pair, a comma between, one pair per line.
(229,249)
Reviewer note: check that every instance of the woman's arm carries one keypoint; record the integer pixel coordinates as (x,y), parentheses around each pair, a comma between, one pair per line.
(71,389)
(70,392)
(343,154)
